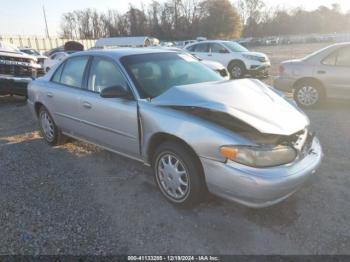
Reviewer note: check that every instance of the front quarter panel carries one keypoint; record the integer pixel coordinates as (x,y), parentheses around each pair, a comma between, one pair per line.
(202,136)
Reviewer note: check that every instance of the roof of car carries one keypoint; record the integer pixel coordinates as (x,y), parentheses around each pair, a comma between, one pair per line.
(207,41)
(120,52)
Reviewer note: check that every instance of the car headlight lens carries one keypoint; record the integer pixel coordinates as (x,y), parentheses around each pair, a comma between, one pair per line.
(252,57)
(259,156)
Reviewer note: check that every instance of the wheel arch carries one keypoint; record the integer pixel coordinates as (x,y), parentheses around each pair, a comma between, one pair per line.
(234,61)
(310,79)
(162,137)
(37,107)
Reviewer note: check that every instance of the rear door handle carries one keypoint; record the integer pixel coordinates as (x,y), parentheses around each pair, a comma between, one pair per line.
(87,105)
(321,72)
(49,94)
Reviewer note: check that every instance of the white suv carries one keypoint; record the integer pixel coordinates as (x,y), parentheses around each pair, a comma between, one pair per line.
(238,60)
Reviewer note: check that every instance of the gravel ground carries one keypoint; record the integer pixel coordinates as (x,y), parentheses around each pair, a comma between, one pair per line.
(77,199)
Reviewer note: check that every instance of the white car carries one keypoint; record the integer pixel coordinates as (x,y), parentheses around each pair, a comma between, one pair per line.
(238,60)
(54,59)
(216,66)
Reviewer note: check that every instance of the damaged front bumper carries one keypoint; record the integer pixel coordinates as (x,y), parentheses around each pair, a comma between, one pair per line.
(13,85)
(261,187)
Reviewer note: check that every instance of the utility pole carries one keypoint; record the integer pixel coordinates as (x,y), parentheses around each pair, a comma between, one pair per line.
(47,29)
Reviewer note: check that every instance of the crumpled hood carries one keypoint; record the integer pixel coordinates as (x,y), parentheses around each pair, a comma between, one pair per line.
(249,100)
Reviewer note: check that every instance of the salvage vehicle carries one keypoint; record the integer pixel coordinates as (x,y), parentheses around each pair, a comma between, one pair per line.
(240,140)
(238,60)
(16,70)
(40,58)
(316,77)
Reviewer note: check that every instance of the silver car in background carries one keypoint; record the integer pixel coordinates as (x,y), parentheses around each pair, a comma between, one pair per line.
(323,74)
(240,140)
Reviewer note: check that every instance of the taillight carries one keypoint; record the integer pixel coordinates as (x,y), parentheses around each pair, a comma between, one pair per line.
(281,69)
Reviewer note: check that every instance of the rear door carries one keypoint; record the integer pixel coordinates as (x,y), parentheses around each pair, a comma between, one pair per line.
(109,122)
(334,72)
(62,95)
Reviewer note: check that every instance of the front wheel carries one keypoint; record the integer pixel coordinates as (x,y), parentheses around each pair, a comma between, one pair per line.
(236,70)
(178,175)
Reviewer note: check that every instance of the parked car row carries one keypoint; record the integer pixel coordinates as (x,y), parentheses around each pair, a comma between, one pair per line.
(241,140)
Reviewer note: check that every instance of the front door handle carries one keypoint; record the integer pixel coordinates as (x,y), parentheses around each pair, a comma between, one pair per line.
(87,105)
(321,72)
(49,94)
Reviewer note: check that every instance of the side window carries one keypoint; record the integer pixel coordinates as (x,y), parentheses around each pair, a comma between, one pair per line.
(73,71)
(104,73)
(343,58)
(202,48)
(57,75)
(217,48)
(330,59)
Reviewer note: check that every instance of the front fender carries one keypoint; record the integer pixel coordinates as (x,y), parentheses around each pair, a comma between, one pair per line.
(202,136)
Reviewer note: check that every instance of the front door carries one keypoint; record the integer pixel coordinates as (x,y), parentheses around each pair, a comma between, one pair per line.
(109,122)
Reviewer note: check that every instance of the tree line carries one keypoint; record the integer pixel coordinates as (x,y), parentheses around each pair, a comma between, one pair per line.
(188,19)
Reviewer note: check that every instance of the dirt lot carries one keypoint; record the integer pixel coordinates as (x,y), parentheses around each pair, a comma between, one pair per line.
(78,199)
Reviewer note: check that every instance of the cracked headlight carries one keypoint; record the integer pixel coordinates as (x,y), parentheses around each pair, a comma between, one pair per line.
(259,156)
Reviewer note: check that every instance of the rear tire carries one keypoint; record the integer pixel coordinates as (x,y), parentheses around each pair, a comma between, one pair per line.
(178,175)
(309,94)
(48,128)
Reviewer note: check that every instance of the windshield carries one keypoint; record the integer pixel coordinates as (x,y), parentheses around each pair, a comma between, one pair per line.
(31,52)
(153,74)
(235,47)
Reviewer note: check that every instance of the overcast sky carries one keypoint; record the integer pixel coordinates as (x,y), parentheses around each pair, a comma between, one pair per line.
(25,17)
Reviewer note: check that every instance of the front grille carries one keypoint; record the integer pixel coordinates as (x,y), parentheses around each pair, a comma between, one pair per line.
(23,68)
(16,59)
(18,71)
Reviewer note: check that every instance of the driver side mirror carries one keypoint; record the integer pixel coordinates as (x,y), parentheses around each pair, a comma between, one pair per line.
(222,51)
(117,91)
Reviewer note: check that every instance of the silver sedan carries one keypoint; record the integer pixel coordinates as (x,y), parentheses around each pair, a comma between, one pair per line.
(240,139)
(320,75)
